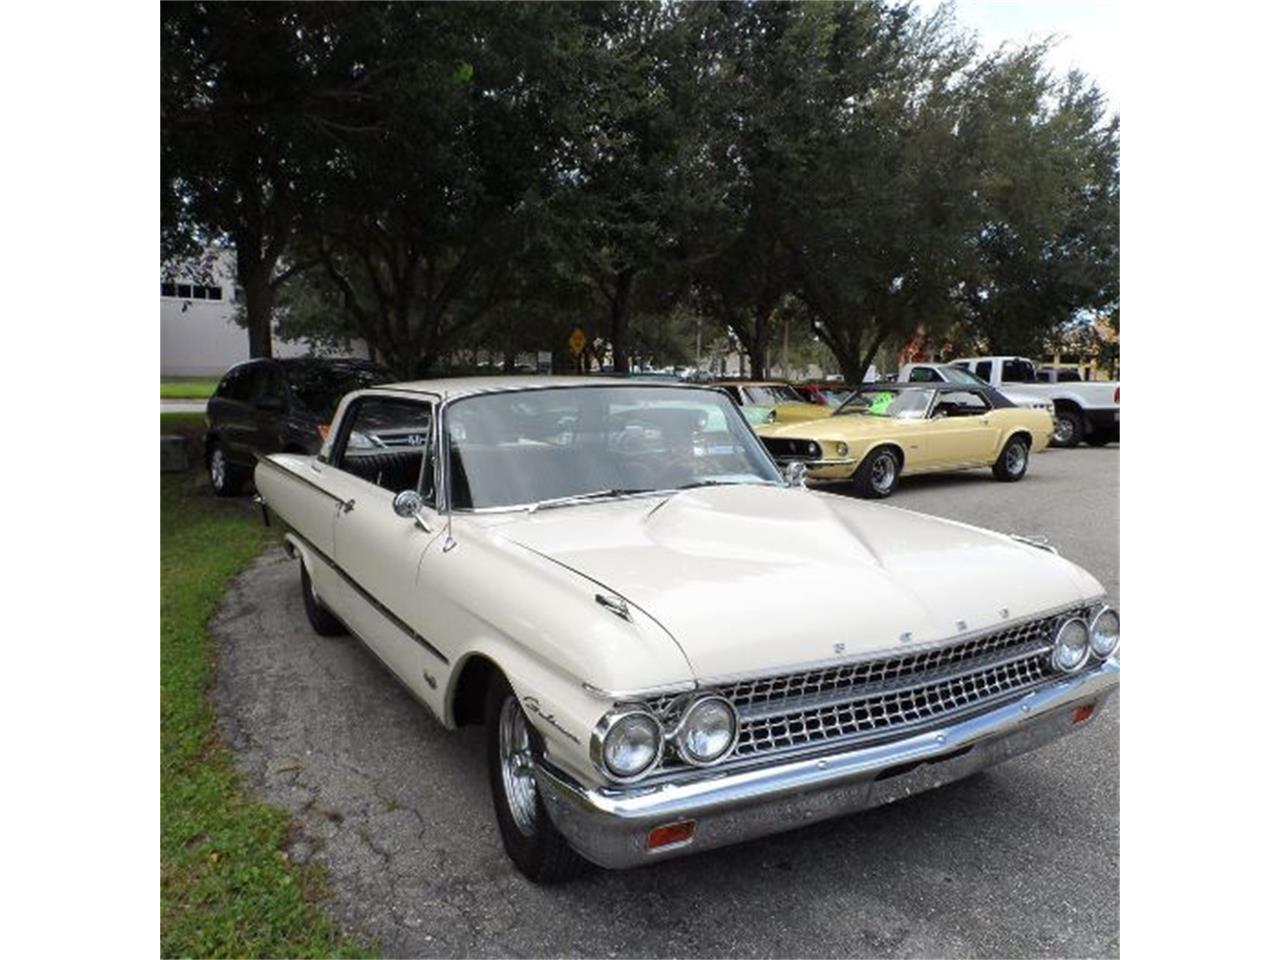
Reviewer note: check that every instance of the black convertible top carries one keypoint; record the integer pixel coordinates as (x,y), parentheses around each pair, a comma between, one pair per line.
(993,396)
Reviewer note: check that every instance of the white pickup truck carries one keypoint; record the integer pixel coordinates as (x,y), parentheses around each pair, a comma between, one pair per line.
(1087,410)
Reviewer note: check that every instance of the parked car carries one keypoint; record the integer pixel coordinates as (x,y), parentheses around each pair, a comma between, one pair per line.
(889,430)
(1087,410)
(944,373)
(671,645)
(786,401)
(825,393)
(267,406)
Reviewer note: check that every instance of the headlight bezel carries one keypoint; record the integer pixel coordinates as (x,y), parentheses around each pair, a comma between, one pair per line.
(1058,645)
(1093,623)
(610,722)
(842,448)
(686,716)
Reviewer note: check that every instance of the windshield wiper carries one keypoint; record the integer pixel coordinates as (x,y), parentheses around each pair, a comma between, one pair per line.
(720,482)
(588,497)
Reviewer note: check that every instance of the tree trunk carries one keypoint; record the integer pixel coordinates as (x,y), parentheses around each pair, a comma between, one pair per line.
(620,320)
(254,276)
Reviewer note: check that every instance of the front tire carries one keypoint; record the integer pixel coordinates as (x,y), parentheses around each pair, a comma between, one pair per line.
(877,475)
(322,621)
(224,476)
(532,841)
(1013,460)
(1068,428)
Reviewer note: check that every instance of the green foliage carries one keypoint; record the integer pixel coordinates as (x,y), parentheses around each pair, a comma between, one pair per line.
(226,888)
(437,177)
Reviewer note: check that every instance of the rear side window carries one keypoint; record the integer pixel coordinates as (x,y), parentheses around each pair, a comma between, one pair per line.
(237,384)
(385,441)
(1016,371)
(1068,376)
(924,375)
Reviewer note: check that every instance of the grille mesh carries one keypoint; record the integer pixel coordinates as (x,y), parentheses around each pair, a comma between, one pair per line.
(855,700)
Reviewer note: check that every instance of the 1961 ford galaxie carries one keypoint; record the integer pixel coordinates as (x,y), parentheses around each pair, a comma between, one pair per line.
(673,646)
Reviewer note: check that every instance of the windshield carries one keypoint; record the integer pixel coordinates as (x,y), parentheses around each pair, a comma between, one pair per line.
(911,403)
(317,388)
(525,447)
(767,393)
(960,375)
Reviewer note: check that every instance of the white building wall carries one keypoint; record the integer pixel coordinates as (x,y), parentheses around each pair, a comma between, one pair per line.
(201,338)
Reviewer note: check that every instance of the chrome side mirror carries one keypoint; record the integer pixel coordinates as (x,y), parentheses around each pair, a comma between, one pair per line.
(795,474)
(407,504)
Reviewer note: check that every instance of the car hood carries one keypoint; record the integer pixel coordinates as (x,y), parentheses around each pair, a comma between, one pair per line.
(843,427)
(753,578)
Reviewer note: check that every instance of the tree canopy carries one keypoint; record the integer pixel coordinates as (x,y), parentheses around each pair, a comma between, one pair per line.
(439,177)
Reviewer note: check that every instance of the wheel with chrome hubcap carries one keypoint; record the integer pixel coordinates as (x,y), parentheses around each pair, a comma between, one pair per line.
(877,475)
(1068,429)
(532,841)
(1013,460)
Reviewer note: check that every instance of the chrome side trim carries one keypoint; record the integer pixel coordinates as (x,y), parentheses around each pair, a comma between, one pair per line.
(373,601)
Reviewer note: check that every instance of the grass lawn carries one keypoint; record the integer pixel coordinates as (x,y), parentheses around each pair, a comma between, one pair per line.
(226,888)
(187,388)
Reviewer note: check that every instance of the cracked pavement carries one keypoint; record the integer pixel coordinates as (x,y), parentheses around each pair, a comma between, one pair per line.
(1021,860)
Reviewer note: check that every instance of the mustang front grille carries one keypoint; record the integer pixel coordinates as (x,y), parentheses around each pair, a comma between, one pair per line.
(874,698)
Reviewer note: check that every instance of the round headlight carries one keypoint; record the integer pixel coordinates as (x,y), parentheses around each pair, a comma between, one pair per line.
(1071,645)
(631,744)
(1104,633)
(842,449)
(708,730)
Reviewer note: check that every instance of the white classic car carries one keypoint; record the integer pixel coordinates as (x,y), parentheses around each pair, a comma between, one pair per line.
(673,646)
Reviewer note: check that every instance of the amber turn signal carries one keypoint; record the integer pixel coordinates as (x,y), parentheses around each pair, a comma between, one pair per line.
(671,833)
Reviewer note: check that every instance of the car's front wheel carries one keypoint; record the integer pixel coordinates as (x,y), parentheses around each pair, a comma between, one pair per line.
(537,848)
(877,475)
(224,476)
(322,621)
(1012,463)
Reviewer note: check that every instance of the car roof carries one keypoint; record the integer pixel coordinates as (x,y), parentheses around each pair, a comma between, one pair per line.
(464,386)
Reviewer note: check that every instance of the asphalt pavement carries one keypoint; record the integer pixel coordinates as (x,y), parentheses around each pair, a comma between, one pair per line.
(1020,860)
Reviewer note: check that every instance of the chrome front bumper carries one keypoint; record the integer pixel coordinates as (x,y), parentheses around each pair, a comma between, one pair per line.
(610,827)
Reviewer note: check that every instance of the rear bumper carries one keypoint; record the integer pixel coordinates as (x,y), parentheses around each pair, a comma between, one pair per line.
(610,827)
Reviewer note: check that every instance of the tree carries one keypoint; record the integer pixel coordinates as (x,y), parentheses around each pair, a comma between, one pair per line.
(456,134)
(244,93)
(1045,240)
(874,182)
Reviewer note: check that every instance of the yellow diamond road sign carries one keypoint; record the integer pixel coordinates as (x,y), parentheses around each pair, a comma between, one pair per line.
(577,340)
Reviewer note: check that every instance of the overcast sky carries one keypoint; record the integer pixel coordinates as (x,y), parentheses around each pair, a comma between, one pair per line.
(1088,32)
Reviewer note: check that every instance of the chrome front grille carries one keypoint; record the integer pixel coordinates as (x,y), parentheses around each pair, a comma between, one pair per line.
(877,697)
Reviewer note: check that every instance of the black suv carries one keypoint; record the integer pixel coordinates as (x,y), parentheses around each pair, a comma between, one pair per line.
(270,406)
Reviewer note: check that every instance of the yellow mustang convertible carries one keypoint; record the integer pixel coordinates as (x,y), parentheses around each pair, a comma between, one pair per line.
(886,430)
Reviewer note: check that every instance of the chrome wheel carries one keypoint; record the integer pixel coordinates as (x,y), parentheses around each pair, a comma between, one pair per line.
(515,758)
(883,471)
(218,469)
(1063,430)
(1015,459)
